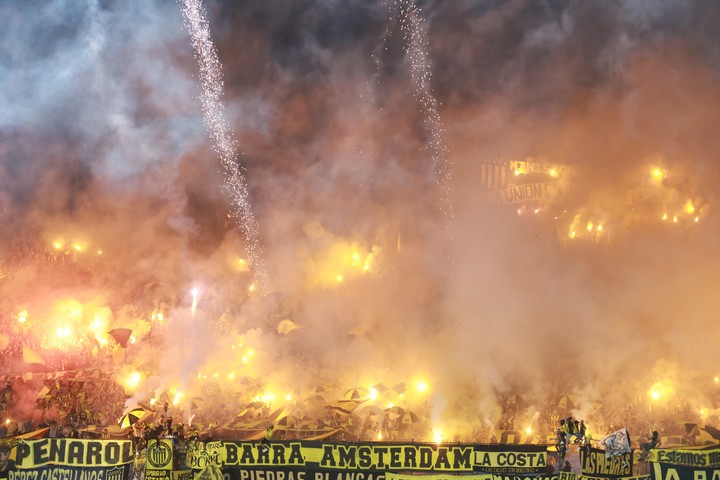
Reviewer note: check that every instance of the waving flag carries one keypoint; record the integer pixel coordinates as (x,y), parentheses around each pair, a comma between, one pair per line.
(617,443)
(31,356)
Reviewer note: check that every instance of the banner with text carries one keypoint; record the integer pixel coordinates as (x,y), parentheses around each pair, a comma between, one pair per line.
(637,477)
(690,458)
(275,474)
(370,457)
(667,471)
(402,476)
(72,459)
(62,472)
(595,463)
(73,452)
(159,459)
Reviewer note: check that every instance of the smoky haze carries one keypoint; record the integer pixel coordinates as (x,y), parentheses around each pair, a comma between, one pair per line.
(102,141)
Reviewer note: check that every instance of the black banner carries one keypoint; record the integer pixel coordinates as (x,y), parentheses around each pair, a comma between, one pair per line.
(667,471)
(73,452)
(691,458)
(61,472)
(595,463)
(511,459)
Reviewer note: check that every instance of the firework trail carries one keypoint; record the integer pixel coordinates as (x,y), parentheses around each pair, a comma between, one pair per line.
(414,32)
(416,47)
(212,90)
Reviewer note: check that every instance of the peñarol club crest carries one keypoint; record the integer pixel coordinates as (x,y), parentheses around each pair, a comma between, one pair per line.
(160,454)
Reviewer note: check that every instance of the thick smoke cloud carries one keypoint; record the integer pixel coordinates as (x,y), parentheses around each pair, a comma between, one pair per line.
(101,139)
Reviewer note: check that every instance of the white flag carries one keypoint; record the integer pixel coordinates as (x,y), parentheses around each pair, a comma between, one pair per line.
(617,443)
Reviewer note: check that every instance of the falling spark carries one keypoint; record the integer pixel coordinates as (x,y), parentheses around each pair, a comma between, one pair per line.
(212,91)
(416,47)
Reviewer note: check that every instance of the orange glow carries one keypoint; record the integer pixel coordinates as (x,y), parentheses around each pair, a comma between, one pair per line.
(421,386)
(689,208)
(373,395)
(339,263)
(242,265)
(131,380)
(268,397)
(657,174)
(248,355)
(661,390)
(63,331)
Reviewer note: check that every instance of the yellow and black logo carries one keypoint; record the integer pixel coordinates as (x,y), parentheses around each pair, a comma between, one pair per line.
(159,454)
(115,474)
